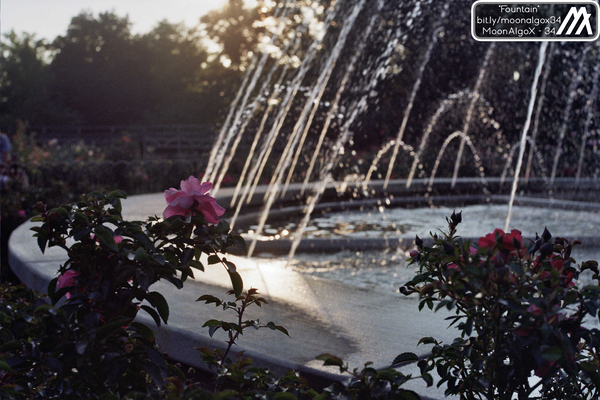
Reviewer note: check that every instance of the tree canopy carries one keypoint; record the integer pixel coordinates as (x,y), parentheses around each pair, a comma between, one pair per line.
(99,73)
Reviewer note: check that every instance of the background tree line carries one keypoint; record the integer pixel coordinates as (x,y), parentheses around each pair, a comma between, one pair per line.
(99,73)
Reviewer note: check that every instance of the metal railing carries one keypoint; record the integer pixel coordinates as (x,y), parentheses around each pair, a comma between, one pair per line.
(173,141)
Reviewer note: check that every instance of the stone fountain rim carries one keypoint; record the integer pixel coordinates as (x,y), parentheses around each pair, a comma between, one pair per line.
(335,245)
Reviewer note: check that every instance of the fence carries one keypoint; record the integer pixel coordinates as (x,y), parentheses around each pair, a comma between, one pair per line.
(172,141)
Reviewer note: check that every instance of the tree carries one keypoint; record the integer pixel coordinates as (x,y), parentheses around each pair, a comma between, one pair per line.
(24,81)
(100,71)
(233,29)
(175,58)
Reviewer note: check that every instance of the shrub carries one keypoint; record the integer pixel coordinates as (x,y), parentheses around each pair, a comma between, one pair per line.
(520,313)
(88,342)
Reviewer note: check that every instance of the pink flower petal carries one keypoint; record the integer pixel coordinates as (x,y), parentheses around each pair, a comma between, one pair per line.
(67,279)
(181,201)
(174,210)
(191,184)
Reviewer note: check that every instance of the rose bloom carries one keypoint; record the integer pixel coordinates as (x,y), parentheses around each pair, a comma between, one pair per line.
(67,280)
(180,202)
(507,239)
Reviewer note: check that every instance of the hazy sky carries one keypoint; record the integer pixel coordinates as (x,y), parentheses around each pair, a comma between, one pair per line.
(50,18)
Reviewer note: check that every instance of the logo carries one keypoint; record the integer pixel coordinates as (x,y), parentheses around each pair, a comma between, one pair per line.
(535,21)
(576,14)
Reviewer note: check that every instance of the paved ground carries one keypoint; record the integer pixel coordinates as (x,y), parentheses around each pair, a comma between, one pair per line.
(322,316)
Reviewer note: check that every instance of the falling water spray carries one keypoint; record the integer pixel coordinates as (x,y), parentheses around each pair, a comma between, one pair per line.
(411,102)
(536,77)
(567,111)
(590,113)
(475,96)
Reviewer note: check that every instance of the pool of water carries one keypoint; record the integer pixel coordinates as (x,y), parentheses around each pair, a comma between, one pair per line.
(387,270)
(478,220)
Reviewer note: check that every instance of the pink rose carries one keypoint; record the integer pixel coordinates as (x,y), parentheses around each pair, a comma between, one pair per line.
(180,202)
(67,279)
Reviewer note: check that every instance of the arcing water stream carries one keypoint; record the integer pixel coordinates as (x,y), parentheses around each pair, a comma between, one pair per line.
(363,84)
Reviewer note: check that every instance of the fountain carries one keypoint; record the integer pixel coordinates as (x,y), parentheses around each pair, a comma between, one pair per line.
(365,83)
(389,114)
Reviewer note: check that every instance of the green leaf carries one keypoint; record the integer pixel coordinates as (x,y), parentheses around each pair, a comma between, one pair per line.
(161,305)
(152,313)
(10,346)
(197,265)
(110,328)
(115,201)
(81,233)
(429,303)
(4,366)
(592,372)
(213,259)
(175,281)
(143,330)
(284,396)
(427,340)
(81,346)
(408,395)
(238,284)
(96,195)
(81,217)
(141,254)
(142,238)
(144,277)
(329,359)
(212,322)
(405,357)
(42,241)
(155,372)
(240,243)
(279,328)
(207,298)
(105,237)
(552,354)
(223,227)
(571,298)
(212,329)
(230,266)
(159,259)
(173,370)
(119,194)
(427,378)
(51,290)
(109,396)
(61,210)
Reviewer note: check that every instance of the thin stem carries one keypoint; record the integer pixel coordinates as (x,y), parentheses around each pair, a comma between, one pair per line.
(233,336)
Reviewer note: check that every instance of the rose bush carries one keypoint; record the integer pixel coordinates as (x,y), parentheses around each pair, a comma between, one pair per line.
(92,343)
(521,316)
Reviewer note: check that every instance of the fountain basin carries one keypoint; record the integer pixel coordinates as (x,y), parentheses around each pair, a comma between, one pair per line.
(380,224)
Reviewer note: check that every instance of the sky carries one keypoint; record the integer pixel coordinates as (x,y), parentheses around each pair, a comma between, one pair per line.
(50,18)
